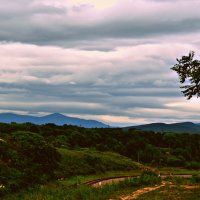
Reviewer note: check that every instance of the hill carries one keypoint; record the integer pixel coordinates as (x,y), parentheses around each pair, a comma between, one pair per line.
(36,154)
(85,161)
(55,118)
(184,127)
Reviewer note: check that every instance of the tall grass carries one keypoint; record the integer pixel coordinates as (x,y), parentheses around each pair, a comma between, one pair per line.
(85,162)
(58,191)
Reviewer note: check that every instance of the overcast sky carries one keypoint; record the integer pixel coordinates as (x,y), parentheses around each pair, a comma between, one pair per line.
(107,60)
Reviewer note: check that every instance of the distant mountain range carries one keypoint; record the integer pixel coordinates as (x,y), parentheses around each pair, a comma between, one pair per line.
(55,118)
(59,119)
(184,127)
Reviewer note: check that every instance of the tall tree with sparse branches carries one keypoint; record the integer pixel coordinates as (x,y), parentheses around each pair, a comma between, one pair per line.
(188,70)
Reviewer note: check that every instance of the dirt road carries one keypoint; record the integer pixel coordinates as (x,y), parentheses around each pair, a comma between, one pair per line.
(101,182)
(139,192)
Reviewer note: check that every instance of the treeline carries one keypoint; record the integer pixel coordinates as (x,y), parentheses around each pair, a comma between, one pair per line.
(26,159)
(29,153)
(147,147)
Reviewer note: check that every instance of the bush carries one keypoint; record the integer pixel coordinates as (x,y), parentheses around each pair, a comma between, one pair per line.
(149,177)
(175,161)
(195,178)
(10,179)
(26,160)
(193,165)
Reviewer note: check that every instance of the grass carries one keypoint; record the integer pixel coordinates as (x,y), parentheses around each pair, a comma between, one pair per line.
(81,179)
(176,188)
(78,166)
(176,170)
(172,193)
(57,190)
(85,162)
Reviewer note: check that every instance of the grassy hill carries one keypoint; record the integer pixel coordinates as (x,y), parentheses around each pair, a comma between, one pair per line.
(84,162)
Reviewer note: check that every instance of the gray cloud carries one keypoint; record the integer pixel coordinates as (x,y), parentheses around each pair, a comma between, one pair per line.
(61,35)
(111,65)
(46,24)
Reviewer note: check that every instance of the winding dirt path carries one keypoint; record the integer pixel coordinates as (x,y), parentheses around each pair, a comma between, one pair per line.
(104,181)
(139,192)
(190,186)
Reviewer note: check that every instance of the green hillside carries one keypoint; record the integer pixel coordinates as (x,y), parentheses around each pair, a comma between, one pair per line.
(84,162)
(31,155)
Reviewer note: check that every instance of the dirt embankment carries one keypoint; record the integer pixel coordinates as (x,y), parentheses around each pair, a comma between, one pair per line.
(104,181)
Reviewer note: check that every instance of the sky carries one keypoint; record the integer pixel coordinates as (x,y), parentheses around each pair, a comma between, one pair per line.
(107,60)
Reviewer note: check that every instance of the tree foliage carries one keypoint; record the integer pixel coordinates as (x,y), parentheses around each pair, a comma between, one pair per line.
(188,70)
(28,158)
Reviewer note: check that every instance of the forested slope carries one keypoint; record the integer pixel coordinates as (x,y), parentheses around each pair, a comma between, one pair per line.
(33,154)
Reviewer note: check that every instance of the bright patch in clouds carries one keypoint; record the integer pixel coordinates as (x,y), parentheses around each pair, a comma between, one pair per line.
(99,4)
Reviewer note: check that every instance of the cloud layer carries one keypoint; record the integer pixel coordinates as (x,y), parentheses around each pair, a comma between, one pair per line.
(92,59)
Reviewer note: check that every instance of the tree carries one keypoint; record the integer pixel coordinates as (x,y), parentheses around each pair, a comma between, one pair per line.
(188,70)
(35,157)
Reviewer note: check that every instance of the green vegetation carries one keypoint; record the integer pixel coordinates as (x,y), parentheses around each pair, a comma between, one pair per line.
(158,149)
(25,160)
(177,188)
(32,155)
(188,70)
(80,179)
(177,170)
(57,190)
(84,162)
(175,193)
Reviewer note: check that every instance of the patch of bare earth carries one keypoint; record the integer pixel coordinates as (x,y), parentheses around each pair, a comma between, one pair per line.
(190,186)
(139,192)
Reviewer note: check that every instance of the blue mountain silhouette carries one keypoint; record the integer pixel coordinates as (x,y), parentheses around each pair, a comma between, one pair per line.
(182,127)
(55,118)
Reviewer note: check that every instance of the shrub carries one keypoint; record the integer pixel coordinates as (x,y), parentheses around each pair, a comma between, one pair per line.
(175,161)
(195,178)
(149,177)
(25,160)
(193,165)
